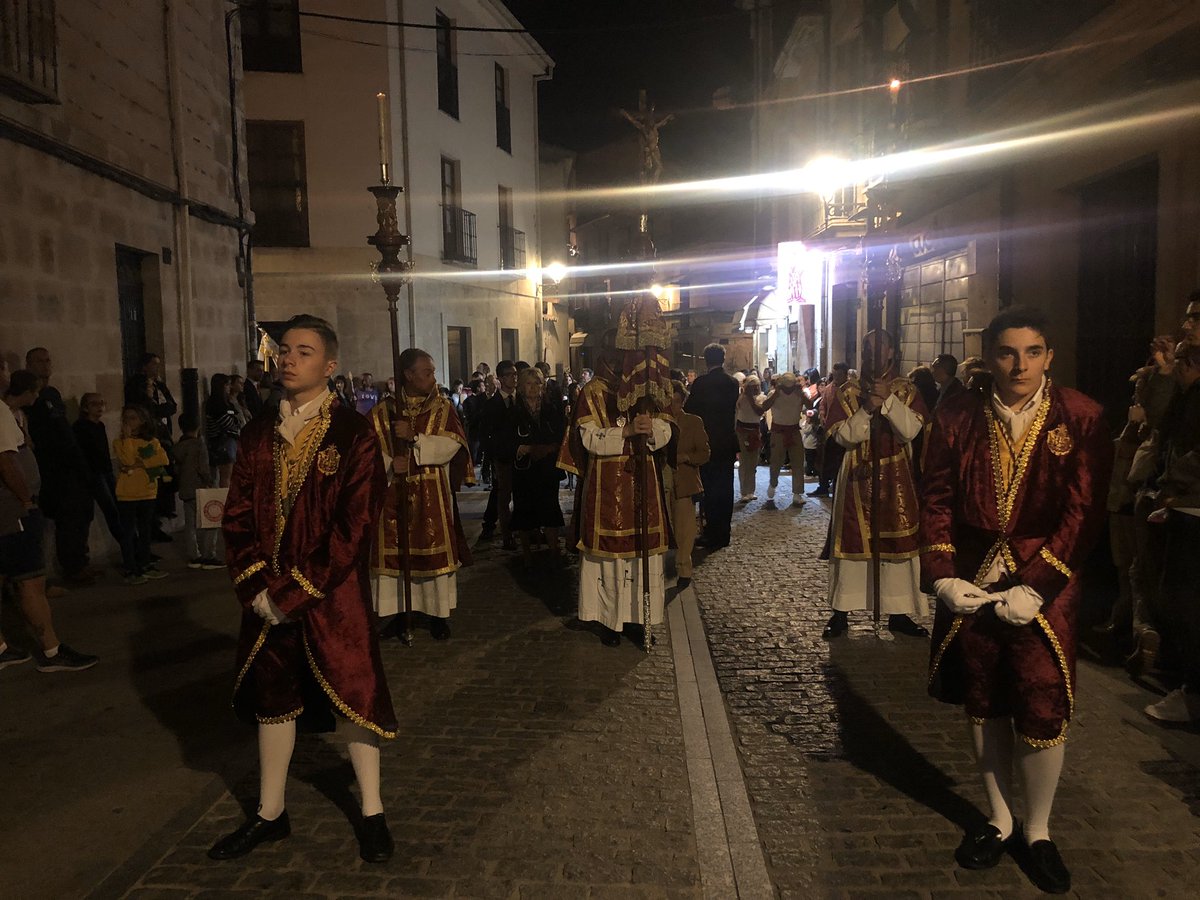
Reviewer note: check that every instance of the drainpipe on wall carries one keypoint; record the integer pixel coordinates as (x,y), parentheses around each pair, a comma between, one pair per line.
(179,212)
(538,293)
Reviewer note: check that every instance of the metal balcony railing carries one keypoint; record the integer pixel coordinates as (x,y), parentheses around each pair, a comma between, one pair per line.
(458,236)
(512,248)
(29,50)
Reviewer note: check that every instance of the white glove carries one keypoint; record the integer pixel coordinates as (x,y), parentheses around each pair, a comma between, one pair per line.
(1018,605)
(960,596)
(270,613)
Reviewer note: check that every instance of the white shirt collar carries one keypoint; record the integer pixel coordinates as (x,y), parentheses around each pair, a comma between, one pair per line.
(1017,422)
(293,419)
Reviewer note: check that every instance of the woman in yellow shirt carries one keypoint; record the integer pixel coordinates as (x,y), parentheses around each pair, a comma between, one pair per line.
(141,460)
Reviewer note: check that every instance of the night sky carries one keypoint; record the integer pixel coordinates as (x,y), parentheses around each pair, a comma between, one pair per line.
(681,51)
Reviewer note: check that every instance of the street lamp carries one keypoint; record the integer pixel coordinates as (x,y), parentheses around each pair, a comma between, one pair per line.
(556,271)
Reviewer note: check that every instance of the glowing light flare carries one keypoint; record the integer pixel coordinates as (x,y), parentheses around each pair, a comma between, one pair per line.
(894,85)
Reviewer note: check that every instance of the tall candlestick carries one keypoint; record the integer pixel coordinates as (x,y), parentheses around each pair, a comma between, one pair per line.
(385,140)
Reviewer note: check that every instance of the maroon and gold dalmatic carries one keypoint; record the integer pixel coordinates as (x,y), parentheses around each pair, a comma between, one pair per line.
(1040,506)
(899,517)
(437,544)
(299,523)
(606,510)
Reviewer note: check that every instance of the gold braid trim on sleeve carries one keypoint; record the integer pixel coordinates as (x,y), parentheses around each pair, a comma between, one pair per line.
(1055,562)
(939,548)
(254,567)
(309,587)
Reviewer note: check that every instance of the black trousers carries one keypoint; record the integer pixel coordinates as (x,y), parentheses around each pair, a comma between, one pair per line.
(72,522)
(717,477)
(831,461)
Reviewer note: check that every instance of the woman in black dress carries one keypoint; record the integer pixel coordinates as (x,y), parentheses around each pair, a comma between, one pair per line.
(530,439)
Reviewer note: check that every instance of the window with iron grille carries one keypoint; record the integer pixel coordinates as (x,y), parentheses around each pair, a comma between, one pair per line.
(503,116)
(278,183)
(270,35)
(29,50)
(458,225)
(447,65)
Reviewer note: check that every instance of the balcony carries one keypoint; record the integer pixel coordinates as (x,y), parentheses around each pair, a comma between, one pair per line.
(458,236)
(29,50)
(512,248)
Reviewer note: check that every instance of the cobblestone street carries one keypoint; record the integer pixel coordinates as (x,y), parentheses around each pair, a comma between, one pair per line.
(532,762)
(858,780)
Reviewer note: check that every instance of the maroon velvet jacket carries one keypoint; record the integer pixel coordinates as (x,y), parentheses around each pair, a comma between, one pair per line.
(310,551)
(1045,526)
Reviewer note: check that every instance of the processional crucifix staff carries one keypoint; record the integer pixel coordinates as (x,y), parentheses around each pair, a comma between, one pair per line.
(643,332)
(392,273)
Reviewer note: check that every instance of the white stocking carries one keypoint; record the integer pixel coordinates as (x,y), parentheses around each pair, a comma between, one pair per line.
(364,757)
(993,741)
(1040,770)
(275,744)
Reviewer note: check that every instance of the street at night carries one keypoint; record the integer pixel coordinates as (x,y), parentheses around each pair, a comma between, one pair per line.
(649,449)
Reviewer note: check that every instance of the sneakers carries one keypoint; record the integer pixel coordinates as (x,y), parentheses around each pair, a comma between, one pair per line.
(153,573)
(210,564)
(196,563)
(135,578)
(13,657)
(1179,706)
(66,660)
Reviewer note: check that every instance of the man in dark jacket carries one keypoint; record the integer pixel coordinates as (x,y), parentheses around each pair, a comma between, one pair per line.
(495,411)
(714,398)
(66,483)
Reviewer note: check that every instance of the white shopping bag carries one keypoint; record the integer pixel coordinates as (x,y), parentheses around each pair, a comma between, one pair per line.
(210,506)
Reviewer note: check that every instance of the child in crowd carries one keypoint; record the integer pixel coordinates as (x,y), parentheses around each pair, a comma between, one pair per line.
(191,463)
(142,460)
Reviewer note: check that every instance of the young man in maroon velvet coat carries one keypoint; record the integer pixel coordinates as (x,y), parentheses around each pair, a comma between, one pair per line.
(303,503)
(1012,502)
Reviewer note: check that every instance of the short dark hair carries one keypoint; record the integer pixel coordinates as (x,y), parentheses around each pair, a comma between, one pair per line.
(521,365)
(32,350)
(714,355)
(948,362)
(504,367)
(543,367)
(678,386)
(841,367)
(21,381)
(1014,318)
(320,326)
(252,363)
(188,422)
(145,358)
(409,358)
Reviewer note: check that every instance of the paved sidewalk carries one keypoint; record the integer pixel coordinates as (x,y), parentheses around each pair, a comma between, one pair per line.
(858,780)
(532,762)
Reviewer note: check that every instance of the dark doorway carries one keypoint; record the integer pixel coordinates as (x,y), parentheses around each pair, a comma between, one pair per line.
(1119,238)
(131,301)
(458,353)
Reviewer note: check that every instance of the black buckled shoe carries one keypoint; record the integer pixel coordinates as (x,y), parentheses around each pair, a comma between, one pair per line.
(256,830)
(900,624)
(439,628)
(375,844)
(609,638)
(981,848)
(1046,868)
(836,626)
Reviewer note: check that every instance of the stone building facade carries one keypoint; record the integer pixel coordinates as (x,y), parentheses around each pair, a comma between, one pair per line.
(1079,193)
(461,121)
(120,229)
